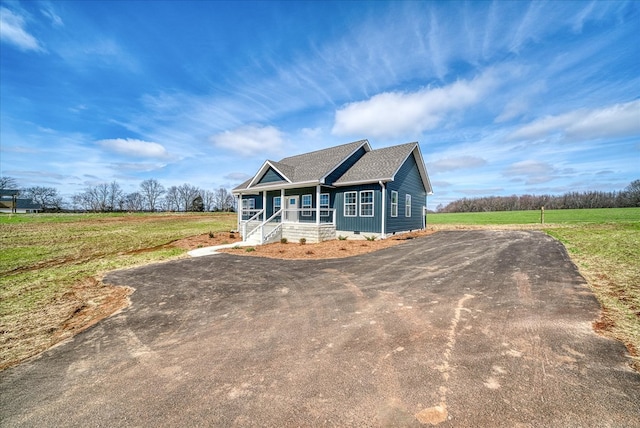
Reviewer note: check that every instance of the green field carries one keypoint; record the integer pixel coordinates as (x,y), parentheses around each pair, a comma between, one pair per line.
(603,243)
(554,217)
(49,264)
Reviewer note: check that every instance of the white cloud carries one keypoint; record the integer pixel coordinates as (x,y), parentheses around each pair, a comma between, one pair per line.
(618,120)
(12,30)
(250,140)
(535,172)
(132,147)
(460,162)
(395,114)
(48,11)
(237,176)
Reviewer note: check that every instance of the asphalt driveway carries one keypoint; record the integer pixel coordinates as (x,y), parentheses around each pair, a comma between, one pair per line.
(460,328)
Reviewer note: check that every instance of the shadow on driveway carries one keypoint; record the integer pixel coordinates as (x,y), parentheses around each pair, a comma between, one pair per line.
(460,328)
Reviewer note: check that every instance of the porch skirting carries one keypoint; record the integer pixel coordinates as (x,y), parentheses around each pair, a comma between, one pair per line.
(313,233)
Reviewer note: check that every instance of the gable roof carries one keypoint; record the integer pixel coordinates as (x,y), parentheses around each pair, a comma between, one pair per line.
(309,168)
(313,168)
(383,164)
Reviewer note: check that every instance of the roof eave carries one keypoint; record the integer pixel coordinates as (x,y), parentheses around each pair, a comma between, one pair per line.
(275,186)
(263,169)
(424,176)
(368,181)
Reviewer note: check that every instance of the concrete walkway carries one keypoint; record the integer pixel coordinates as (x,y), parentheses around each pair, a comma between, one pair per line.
(208,251)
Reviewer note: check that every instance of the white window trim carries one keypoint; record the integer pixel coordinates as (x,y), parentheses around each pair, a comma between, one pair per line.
(324,208)
(308,207)
(277,206)
(355,204)
(365,204)
(407,205)
(394,205)
(249,204)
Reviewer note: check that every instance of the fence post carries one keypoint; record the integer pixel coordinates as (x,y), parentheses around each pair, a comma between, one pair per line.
(542,215)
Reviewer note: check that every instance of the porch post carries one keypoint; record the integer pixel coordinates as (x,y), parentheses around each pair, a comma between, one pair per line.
(264,205)
(283,206)
(383,207)
(239,210)
(318,205)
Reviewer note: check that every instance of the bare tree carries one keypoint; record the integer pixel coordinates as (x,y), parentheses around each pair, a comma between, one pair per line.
(208,200)
(8,183)
(115,196)
(632,193)
(151,191)
(186,194)
(47,197)
(134,202)
(224,200)
(172,199)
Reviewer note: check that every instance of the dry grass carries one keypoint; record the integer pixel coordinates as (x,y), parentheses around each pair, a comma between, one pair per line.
(51,265)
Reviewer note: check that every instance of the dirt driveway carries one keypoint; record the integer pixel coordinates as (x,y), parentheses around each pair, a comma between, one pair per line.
(460,328)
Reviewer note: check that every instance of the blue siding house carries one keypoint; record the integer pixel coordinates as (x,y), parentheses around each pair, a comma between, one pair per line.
(347,190)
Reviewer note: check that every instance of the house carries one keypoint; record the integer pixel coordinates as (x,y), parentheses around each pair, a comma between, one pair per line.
(347,190)
(10,203)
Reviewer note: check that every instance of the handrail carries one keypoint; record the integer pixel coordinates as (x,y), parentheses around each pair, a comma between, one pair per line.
(245,222)
(277,213)
(260,226)
(254,216)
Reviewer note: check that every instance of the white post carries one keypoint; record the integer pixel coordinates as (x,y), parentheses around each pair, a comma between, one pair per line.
(283,206)
(384,209)
(239,210)
(264,206)
(318,205)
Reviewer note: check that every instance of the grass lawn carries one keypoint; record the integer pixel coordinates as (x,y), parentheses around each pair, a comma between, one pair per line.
(603,243)
(49,264)
(553,217)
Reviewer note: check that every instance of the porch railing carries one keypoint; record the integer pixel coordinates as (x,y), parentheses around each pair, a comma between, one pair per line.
(266,229)
(308,215)
(256,215)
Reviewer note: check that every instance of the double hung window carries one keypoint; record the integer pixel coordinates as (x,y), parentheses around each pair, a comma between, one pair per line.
(407,206)
(324,204)
(248,204)
(394,203)
(366,203)
(306,205)
(350,204)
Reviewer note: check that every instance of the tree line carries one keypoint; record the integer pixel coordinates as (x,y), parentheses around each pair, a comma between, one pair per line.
(629,197)
(150,196)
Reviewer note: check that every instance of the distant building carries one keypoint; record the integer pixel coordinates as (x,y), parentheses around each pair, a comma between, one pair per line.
(10,203)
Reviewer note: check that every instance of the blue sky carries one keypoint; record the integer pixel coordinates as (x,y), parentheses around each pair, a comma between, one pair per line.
(504,97)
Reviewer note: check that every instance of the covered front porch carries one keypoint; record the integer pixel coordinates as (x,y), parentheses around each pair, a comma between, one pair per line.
(272,214)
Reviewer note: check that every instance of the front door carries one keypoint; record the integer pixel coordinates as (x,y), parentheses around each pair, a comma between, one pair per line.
(291,213)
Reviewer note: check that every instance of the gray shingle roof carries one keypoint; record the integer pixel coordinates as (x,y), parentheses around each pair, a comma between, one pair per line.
(379,164)
(374,165)
(312,166)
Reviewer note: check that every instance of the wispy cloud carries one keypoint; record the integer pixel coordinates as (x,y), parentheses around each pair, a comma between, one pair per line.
(133,147)
(618,120)
(395,114)
(250,140)
(451,164)
(535,172)
(47,10)
(13,31)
